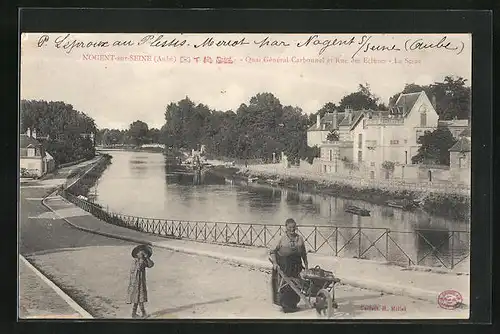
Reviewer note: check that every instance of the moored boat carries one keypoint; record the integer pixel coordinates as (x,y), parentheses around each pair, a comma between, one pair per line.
(402,204)
(355,210)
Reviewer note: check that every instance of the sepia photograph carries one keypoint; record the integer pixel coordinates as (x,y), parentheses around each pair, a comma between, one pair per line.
(245,176)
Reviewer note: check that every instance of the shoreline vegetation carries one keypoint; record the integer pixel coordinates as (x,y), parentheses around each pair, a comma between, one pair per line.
(445,205)
(85,183)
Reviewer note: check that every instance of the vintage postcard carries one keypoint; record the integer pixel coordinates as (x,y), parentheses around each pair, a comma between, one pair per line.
(234,176)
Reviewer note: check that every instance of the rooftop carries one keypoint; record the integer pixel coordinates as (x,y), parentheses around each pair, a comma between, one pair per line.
(455,122)
(327,119)
(26,141)
(462,145)
(405,102)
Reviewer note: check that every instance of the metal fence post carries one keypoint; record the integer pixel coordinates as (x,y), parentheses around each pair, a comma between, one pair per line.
(226,235)
(387,244)
(359,242)
(238,234)
(265,239)
(251,230)
(315,234)
(336,241)
(452,247)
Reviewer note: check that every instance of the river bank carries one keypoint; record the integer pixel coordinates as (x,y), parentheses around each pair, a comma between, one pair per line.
(88,178)
(454,206)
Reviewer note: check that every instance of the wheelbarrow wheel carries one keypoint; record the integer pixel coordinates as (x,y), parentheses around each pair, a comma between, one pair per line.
(324,303)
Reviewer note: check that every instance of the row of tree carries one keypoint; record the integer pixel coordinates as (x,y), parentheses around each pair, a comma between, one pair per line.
(64,131)
(265,126)
(256,130)
(137,134)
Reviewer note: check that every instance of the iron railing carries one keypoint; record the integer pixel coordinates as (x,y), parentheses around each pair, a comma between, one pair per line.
(442,248)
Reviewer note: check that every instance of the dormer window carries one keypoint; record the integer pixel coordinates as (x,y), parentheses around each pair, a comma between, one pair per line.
(31,152)
(423,116)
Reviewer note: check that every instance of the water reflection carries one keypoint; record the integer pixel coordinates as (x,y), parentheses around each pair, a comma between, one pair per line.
(157,189)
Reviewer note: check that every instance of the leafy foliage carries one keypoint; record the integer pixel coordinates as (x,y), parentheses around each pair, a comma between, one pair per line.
(453,98)
(435,146)
(388,165)
(61,126)
(333,136)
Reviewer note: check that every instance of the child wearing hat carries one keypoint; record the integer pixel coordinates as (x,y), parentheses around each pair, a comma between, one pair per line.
(137,291)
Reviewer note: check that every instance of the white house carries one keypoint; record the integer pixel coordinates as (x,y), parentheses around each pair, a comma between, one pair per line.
(34,160)
(317,133)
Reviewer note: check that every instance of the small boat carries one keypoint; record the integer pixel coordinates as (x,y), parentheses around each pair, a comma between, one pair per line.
(275,181)
(252,179)
(355,210)
(402,204)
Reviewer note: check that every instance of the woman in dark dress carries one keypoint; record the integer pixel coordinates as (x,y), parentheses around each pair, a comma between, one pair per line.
(288,255)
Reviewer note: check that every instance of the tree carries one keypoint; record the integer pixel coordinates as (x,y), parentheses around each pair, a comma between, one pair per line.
(453,97)
(327,108)
(62,126)
(434,147)
(362,99)
(138,133)
(154,135)
(333,135)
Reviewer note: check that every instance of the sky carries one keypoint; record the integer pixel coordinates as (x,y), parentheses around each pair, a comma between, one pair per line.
(118,84)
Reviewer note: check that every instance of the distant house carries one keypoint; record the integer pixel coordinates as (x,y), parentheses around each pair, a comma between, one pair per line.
(460,158)
(34,160)
(456,126)
(317,133)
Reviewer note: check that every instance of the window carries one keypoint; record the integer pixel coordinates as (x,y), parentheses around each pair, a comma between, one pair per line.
(406,157)
(461,162)
(331,155)
(372,164)
(423,118)
(360,156)
(31,152)
(394,142)
(360,139)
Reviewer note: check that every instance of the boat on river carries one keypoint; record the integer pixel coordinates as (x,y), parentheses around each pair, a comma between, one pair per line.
(402,204)
(276,182)
(356,210)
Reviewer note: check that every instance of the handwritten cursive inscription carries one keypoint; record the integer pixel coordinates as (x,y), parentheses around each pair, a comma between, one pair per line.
(326,43)
(268,42)
(443,43)
(366,45)
(158,41)
(211,42)
(360,44)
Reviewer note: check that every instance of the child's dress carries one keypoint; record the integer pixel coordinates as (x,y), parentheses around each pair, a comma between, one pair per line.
(137,291)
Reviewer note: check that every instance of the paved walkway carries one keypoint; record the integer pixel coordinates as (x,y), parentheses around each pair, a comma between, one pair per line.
(39,300)
(189,286)
(425,285)
(38,229)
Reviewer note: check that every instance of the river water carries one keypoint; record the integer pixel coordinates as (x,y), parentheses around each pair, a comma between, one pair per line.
(141,184)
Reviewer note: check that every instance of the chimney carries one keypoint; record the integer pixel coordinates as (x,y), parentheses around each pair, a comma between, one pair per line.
(28,132)
(334,122)
(434,101)
(318,120)
(33,134)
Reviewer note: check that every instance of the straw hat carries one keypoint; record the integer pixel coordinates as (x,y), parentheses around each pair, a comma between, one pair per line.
(147,249)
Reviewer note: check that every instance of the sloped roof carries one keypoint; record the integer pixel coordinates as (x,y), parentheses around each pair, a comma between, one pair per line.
(407,101)
(462,145)
(328,119)
(26,141)
(465,133)
(356,115)
(454,123)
